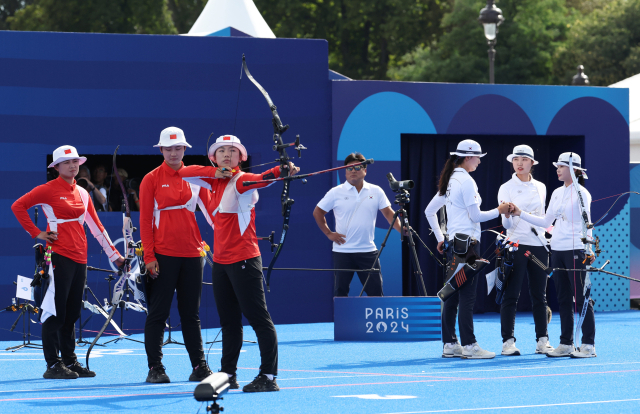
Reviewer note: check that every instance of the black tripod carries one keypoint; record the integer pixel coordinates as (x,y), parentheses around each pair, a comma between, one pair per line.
(81,341)
(26,309)
(122,305)
(402,198)
(170,340)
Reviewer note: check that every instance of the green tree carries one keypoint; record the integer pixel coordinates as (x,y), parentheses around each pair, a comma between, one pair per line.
(365,37)
(606,42)
(185,13)
(114,16)
(8,8)
(527,41)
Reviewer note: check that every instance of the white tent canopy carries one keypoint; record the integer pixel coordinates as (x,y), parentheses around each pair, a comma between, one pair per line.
(633,84)
(241,15)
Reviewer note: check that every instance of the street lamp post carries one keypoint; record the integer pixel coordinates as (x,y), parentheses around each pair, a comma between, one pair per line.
(491,18)
(580,78)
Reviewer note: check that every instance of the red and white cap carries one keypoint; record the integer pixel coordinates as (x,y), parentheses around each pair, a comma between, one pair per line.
(172,136)
(228,140)
(64,153)
(468,148)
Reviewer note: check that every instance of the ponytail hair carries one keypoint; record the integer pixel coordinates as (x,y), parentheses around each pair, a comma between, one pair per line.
(452,163)
(580,177)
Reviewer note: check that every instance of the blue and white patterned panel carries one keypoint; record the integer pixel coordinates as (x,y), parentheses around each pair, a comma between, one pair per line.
(611,293)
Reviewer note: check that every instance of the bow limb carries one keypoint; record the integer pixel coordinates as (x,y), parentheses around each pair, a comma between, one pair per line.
(123,272)
(613,204)
(278,129)
(585,227)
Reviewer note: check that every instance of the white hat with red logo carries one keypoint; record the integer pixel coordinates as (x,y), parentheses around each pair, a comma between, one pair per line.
(65,153)
(228,140)
(172,136)
(468,148)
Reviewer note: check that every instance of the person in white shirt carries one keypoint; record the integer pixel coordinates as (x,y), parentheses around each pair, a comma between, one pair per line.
(355,205)
(568,252)
(459,193)
(531,194)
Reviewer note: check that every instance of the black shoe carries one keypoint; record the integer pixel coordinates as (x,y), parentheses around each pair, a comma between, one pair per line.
(59,371)
(81,370)
(157,375)
(233,382)
(261,383)
(200,372)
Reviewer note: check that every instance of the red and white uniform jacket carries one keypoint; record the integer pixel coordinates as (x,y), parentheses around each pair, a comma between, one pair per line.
(167,214)
(232,206)
(67,207)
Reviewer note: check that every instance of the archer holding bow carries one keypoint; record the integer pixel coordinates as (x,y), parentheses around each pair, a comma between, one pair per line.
(569,252)
(67,207)
(237,264)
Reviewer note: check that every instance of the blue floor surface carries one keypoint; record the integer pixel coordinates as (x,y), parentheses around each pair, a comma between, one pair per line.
(318,375)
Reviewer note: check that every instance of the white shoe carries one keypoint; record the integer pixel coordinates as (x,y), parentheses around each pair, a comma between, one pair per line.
(452,350)
(543,346)
(474,351)
(585,351)
(561,351)
(509,348)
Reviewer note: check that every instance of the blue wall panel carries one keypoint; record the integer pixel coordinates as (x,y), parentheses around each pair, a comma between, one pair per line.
(97,91)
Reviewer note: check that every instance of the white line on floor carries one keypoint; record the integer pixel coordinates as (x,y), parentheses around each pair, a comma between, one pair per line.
(188,384)
(517,406)
(522,368)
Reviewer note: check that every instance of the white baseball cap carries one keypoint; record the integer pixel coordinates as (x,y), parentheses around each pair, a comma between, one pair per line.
(225,140)
(563,159)
(522,151)
(64,153)
(468,148)
(172,136)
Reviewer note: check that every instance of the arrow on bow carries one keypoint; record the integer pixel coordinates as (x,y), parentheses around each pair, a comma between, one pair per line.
(123,271)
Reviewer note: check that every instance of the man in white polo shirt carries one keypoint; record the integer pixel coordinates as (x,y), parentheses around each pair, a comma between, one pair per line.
(355,205)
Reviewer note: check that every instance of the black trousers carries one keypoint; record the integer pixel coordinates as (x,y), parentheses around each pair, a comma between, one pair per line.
(238,291)
(58,332)
(568,285)
(537,291)
(342,280)
(182,275)
(460,302)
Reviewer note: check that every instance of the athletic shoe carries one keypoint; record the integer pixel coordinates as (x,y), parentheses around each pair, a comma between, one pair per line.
(585,351)
(200,372)
(451,350)
(474,351)
(59,371)
(509,348)
(233,382)
(561,351)
(261,383)
(157,375)
(79,369)
(543,346)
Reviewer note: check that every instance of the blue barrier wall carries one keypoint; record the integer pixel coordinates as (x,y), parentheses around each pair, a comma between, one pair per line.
(97,91)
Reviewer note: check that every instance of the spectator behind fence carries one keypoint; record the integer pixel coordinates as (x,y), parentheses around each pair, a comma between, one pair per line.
(98,196)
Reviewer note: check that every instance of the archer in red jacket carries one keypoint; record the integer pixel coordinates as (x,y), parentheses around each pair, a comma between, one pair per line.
(67,208)
(237,264)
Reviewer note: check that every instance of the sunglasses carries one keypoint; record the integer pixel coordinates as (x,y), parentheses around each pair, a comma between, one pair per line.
(357,168)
